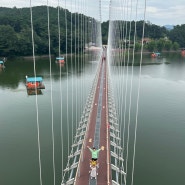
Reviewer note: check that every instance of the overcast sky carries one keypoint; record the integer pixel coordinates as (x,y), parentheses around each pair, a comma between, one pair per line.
(159,12)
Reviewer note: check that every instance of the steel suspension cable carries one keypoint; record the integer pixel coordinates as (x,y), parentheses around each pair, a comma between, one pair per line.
(138,95)
(59,27)
(81,55)
(76,116)
(72,83)
(128,126)
(51,97)
(79,105)
(67,74)
(123,58)
(61,101)
(36,99)
(125,76)
(122,75)
(118,69)
(116,55)
(130,98)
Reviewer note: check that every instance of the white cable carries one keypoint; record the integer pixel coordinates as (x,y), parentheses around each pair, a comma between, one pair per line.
(128,126)
(78,35)
(138,94)
(38,126)
(76,117)
(72,120)
(61,109)
(81,37)
(59,27)
(68,145)
(51,97)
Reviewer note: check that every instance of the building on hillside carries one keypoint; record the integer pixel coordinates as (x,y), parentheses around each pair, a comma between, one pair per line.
(145,40)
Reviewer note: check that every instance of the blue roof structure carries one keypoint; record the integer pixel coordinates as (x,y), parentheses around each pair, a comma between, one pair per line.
(34,79)
(60,58)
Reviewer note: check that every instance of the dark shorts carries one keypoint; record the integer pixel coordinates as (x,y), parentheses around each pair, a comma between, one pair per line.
(94,159)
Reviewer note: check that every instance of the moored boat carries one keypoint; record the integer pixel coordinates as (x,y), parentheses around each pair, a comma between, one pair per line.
(60,59)
(34,83)
(183,52)
(155,54)
(2,64)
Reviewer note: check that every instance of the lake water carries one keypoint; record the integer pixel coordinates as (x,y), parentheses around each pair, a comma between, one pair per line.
(160,148)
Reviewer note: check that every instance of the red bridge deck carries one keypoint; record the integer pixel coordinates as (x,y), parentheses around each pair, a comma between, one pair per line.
(98,135)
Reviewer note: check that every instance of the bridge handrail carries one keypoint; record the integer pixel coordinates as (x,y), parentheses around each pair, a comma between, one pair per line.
(75,140)
(84,142)
(107,131)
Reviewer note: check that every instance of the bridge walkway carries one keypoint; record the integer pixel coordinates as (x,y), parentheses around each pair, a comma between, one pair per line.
(98,135)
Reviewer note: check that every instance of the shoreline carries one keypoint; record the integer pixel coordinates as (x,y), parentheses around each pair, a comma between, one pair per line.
(52,56)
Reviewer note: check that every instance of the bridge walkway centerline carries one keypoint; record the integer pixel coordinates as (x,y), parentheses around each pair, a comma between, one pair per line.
(98,135)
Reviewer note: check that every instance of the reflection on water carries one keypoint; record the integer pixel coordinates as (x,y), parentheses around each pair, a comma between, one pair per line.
(71,84)
(60,64)
(161,119)
(34,92)
(17,69)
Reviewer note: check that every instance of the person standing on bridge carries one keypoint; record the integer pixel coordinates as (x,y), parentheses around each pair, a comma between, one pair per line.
(95,153)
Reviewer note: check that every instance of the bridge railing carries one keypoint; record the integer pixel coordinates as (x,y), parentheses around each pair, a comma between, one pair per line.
(72,170)
(116,151)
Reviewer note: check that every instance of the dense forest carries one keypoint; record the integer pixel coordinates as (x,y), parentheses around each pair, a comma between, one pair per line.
(157,38)
(16,34)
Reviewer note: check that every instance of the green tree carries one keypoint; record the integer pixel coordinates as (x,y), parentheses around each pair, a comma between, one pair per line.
(175,46)
(178,35)
(137,46)
(104,28)
(151,46)
(15,32)
(160,44)
(8,40)
(168,45)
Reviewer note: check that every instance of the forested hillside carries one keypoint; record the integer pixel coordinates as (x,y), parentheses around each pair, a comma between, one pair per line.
(16,40)
(157,38)
(16,37)
(151,31)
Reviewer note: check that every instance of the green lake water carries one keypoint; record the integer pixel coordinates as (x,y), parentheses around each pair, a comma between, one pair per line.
(160,147)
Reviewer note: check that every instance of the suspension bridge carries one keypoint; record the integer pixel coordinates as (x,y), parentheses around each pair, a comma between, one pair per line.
(98,127)
(99,124)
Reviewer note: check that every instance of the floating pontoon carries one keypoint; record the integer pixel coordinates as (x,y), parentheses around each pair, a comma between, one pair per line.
(60,59)
(2,64)
(34,83)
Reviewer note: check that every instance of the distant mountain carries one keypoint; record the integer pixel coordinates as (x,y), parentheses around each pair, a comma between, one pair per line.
(169,27)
